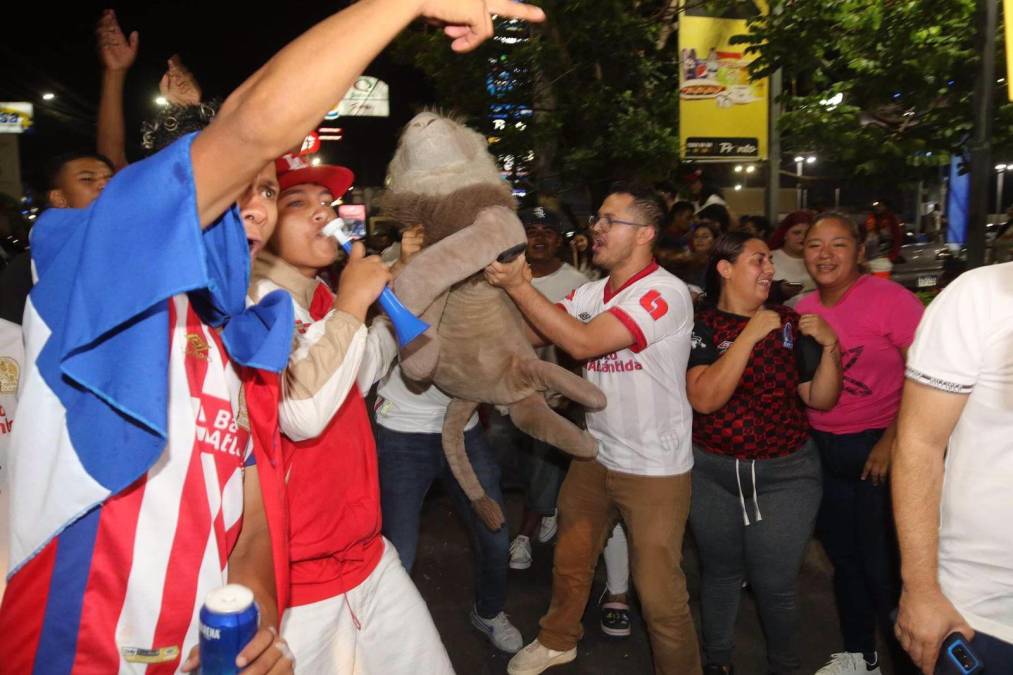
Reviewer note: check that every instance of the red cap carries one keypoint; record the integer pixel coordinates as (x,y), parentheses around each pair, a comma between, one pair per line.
(296,170)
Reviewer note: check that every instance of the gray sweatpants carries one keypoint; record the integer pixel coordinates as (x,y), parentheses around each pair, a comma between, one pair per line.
(753,520)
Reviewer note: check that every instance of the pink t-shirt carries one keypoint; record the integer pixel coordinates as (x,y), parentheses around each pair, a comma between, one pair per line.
(874,320)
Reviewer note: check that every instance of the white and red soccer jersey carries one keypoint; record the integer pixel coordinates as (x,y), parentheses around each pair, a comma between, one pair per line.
(646,429)
(162,543)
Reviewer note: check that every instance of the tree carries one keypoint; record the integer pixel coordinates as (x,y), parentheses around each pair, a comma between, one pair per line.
(587,97)
(883,87)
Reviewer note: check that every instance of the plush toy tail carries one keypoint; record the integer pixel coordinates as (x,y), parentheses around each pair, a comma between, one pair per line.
(458,412)
(489,512)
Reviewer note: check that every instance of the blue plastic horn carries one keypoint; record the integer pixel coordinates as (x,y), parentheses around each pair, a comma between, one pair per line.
(407,326)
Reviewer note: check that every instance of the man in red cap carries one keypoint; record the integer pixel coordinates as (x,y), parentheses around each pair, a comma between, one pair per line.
(353,603)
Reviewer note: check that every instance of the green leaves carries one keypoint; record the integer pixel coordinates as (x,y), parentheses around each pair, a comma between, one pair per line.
(906,70)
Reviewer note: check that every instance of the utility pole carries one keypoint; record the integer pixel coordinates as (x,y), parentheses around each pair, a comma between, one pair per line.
(773,149)
(986,18)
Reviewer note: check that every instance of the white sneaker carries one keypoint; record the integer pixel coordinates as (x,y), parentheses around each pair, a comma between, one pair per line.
(849,663)
(548,528)
(520,553)
(501,633)
(536,658)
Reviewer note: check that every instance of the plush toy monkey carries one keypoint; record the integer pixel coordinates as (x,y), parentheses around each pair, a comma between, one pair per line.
(476,349)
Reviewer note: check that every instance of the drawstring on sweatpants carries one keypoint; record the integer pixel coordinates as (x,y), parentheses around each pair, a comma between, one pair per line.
(742,497)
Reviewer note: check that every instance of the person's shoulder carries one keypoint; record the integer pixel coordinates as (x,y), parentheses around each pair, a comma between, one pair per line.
(808,303)
(662,276)
(572,275)
(587,289)
(786,313)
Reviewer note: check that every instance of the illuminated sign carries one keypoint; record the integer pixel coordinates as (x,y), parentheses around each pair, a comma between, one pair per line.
(368,97)
(15,118)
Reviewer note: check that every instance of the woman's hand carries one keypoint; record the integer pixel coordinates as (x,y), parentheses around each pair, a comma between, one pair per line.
(762,323)
(815,327)
(878,463)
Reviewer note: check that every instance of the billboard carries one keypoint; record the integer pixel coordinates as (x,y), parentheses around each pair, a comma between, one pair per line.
(368,97)
(722,111)
(15,118)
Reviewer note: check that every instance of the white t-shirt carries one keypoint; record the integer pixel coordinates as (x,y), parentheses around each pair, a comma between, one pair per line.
(787,268)
(964,345)
(646,428)
(555,287)
(399,409)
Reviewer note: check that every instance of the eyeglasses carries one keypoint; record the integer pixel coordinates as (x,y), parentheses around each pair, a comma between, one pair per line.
(609,221)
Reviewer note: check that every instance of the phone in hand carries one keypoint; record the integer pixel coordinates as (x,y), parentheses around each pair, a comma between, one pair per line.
(511,253)
(956,657)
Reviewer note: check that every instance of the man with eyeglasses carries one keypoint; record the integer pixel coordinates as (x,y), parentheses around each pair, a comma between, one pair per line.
(633,330)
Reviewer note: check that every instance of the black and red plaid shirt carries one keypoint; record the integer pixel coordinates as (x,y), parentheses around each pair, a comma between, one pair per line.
(764,418)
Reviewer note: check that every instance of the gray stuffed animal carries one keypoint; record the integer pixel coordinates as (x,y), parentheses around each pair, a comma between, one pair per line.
(476,350)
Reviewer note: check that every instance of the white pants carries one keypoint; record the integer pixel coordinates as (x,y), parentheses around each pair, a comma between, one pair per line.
(395,633)
(617,561)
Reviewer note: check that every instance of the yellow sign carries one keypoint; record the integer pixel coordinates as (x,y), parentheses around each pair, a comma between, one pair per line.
(15,118)
(722,112)
(1007,14)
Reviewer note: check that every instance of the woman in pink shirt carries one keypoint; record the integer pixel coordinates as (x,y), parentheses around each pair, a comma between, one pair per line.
(875,320)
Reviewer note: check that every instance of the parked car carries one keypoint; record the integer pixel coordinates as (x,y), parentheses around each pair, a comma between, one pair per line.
(921,265)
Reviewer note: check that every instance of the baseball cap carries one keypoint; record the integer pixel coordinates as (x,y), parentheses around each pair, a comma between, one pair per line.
(294,169)
(541,216)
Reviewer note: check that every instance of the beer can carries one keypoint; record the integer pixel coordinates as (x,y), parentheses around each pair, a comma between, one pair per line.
(228,621)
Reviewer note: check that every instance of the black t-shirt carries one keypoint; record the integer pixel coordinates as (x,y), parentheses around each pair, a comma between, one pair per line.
(15,284)
(764,418)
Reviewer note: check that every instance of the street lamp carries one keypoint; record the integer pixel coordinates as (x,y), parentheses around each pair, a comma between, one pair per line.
(1000,175)
(48,96)
(800,160)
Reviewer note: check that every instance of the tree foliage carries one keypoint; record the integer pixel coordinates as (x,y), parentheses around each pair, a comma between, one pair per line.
(601,77)
(906,72)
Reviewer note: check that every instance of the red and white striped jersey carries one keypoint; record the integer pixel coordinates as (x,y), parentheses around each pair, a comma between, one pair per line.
(162,543)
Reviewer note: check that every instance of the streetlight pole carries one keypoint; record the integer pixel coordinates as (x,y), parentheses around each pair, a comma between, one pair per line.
(1000,176)
(986,18)
(799,161)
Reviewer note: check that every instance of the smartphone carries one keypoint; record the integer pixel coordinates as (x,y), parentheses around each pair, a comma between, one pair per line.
(957,658)
(354,216)
(511,253)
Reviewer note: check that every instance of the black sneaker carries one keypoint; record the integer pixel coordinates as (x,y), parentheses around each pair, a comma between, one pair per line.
(615,618)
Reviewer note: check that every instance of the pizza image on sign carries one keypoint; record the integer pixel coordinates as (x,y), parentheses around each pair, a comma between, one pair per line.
(697,89)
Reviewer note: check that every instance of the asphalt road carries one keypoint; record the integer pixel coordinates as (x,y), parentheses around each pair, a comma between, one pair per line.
(443,573)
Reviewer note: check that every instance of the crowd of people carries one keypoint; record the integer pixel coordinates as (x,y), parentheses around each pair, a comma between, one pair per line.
(207,421)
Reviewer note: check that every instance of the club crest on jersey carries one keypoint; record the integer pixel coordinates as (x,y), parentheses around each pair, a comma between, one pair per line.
(196,346)
(9,373)
(787,336)
(584,316)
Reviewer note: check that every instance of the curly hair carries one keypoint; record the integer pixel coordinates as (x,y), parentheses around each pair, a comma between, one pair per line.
(174,122)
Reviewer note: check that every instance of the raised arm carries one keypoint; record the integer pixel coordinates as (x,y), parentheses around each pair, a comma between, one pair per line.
(117,54)
(275,108)
(822,392)
(602,335)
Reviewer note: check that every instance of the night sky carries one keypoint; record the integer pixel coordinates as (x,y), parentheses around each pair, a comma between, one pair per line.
(45,47)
